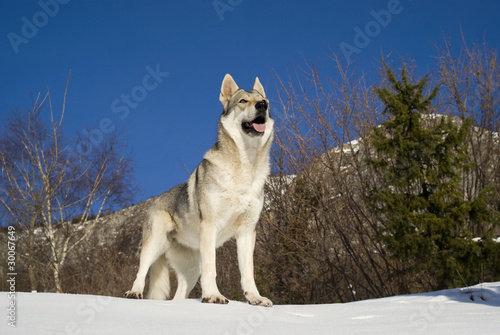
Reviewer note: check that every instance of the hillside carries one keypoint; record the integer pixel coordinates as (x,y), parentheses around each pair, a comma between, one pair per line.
(313,243)
(458,311)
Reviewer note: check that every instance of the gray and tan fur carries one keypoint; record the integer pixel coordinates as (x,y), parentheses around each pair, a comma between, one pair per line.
(222,199)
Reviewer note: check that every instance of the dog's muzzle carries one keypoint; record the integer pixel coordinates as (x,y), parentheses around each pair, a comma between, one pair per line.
(258,125)
(261,106)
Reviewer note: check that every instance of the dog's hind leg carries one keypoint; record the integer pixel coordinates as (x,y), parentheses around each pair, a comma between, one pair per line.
(155,244)
(186,263)
(159,279)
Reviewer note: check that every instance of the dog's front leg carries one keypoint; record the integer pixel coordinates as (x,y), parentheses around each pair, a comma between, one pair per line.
(245,240)
(210,292)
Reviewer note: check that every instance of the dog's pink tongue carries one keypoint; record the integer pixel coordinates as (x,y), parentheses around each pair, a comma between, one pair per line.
(260,127)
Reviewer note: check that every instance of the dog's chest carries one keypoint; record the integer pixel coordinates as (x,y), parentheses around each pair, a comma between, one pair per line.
(240,194)
(242,183)
(240,206)
(240,191)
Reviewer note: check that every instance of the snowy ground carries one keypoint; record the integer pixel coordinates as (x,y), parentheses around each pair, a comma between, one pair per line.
(458,311)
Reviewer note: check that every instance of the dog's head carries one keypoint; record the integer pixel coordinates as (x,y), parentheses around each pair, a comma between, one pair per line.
(249,110)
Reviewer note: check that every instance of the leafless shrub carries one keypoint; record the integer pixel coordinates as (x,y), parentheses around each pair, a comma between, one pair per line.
(44,185)
(318,241)
(471,88)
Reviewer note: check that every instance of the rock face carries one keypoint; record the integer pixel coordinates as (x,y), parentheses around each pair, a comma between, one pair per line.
(123,228)
(129,219)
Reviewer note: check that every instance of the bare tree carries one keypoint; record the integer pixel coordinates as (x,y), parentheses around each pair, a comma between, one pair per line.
(318,240)
(471,88)
(44,185)
(316,231)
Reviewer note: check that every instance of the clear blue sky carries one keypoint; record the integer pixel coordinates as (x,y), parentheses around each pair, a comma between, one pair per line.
(153,69)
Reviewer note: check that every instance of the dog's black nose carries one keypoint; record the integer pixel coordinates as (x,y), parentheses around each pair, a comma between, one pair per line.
(261,106)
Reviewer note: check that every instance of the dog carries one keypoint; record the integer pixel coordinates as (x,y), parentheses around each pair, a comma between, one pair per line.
(222,199)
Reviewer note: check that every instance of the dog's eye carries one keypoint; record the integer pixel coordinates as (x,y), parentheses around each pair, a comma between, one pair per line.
(243,101)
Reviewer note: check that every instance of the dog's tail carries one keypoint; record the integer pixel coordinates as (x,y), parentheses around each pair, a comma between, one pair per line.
(159,280)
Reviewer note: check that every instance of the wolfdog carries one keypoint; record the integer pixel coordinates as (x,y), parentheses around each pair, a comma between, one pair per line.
(222,199)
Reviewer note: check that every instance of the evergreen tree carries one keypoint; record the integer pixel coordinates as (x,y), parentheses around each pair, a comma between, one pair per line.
(418,198)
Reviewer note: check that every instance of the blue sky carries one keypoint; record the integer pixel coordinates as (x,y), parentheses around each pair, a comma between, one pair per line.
(152,70)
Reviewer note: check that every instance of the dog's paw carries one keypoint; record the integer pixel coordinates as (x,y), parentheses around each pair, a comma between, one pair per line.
(133,295)
(257,300)
(215,299)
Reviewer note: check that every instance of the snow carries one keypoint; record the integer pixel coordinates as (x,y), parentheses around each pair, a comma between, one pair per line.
(352,146)
(457,311)
(478,239)
(432,116)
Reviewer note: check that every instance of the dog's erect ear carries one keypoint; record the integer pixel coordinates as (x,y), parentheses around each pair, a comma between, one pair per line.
(228,88)
(258,87)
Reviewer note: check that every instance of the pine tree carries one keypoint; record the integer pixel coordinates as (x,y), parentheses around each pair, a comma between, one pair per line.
(418,199)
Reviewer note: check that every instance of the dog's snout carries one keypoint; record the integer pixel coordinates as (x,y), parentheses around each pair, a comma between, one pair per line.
(261,106)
